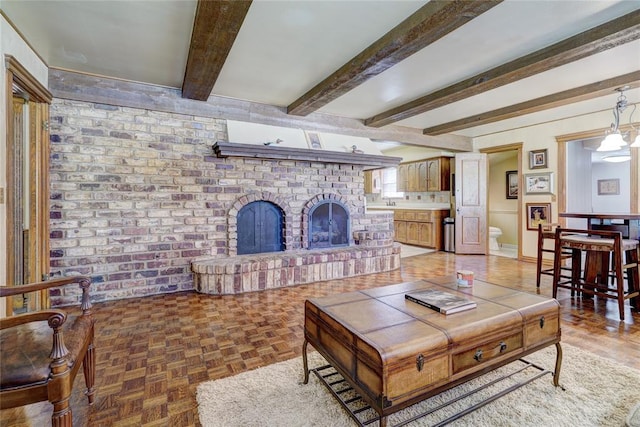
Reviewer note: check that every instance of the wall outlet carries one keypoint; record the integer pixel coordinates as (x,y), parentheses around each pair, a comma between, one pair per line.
(1,195)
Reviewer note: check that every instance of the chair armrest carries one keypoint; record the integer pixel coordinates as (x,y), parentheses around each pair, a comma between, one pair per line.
(36,316)
(7,291)
(83,281)
(55,319)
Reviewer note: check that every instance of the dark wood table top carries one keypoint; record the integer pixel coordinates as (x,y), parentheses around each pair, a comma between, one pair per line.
(604,215)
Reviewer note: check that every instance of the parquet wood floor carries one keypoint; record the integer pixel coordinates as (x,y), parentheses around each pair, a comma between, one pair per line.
(153,352)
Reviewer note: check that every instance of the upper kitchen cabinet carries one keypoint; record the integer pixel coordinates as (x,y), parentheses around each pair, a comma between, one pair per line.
(373,181)
(438,174)
(424,175)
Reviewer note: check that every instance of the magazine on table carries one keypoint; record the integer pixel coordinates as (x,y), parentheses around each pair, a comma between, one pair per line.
(440,301)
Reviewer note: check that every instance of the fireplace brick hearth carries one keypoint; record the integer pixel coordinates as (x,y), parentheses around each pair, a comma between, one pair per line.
(256,272)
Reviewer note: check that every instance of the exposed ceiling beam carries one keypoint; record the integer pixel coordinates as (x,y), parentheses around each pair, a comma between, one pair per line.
(431,22)
(103,90)
(215,28)
(582,93)
(598,39)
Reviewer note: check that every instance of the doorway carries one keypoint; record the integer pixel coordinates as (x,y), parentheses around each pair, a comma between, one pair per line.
(27,192)
(504,200)
(580,167)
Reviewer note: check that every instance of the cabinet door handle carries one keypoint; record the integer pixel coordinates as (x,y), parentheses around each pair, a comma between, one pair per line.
(478,355)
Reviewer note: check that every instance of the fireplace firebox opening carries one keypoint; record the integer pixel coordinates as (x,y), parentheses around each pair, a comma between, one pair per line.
(329,225)
(260,228)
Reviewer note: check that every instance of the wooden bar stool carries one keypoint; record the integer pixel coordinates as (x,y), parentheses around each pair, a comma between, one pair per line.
(600,246)
(547,232)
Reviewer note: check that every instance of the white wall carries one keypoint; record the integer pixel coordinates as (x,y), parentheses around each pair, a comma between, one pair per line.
(258,134)
(611,203)
(12,44)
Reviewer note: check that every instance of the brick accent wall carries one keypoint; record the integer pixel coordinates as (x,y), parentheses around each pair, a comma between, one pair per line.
(137,194)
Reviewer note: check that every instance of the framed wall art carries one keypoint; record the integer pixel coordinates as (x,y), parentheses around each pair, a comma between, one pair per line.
(538,213)
(538,183)
(538,159)
(608,187)
(512,184)
(313,139)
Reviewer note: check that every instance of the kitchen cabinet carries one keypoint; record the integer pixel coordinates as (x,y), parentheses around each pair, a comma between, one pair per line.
(438,174)
(402,179)
(420,227)
(373,181)
(425,175)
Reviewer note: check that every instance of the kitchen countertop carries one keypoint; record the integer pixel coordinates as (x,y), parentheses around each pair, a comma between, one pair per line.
(412,206)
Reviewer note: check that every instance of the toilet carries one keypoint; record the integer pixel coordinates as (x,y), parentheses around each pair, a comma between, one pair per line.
(494,233)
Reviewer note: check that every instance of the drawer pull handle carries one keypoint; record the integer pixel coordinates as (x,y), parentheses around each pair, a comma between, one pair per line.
(478,355)
(541,322)
(419,362)
(503,347)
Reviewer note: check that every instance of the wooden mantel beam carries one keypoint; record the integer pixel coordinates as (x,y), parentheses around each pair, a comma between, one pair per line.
(598,39)
(215,28)
(431,22)
(582,93)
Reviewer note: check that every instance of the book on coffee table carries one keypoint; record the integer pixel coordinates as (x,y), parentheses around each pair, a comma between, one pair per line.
(440,301)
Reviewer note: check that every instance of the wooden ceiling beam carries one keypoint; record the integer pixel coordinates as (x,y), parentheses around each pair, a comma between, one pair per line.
(582,93)
(215,28)
(431,22)
(598,39)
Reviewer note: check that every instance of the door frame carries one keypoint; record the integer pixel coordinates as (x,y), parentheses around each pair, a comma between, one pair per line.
(37,101)
(517,146)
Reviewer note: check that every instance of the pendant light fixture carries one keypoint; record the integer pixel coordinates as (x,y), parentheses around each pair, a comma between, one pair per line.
(614,141)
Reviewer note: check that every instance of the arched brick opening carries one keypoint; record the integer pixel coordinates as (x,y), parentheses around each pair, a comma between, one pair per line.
(232,218)
(309,207)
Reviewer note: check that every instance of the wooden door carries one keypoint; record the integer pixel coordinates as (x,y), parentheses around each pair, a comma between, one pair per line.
(400,231)
(471,226)
(413,233)
(412,175)
(402,183)
(426,232)
(423,177)
(368,182)
(433,175)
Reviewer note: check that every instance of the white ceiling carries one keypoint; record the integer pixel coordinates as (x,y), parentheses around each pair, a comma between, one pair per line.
(284,48)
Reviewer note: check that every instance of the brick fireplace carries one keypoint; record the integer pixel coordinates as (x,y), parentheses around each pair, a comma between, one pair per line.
(325,232)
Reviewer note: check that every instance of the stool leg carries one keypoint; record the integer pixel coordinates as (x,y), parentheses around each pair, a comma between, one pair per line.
(539,262)
(633,277)
(576,269)
(617,257)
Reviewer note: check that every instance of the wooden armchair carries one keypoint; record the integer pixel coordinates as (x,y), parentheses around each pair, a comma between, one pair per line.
(36,363)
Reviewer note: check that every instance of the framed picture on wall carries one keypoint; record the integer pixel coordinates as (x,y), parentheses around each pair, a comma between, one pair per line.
(512,184)
(608,187)
(538,159)
(538,183)
(538,213)
(313,139)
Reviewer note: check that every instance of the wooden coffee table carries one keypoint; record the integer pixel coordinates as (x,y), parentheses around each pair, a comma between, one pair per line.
(395,353)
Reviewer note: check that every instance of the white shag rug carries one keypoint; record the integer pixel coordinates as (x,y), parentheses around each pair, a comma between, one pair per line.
(597,392)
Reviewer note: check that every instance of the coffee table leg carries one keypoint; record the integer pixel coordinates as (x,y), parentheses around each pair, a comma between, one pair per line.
(305,366)
(556,374)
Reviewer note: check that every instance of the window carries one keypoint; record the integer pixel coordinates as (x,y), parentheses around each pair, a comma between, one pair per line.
(390,183)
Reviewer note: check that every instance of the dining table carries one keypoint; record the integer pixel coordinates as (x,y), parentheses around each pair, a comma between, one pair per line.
(627,223)
(597,265)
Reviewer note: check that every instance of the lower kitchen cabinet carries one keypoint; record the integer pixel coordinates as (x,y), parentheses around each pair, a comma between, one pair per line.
(420,227)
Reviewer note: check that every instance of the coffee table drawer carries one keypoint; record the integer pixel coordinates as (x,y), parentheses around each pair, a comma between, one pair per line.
(485,352)
(541,330)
